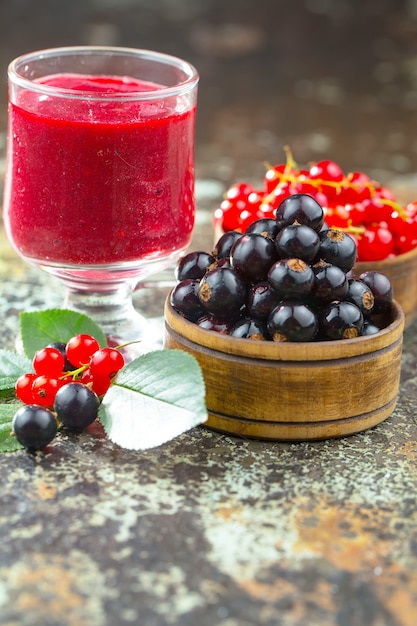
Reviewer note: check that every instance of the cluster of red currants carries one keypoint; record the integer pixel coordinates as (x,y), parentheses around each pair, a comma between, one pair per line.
(287,278)
(353,203)
(64,388)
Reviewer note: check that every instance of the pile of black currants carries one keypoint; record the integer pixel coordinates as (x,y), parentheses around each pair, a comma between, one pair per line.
(283,279)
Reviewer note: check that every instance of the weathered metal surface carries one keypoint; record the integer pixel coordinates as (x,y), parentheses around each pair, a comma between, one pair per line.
(212,530)
(209,529)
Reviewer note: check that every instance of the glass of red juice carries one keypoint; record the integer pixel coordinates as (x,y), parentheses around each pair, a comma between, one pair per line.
(99,186)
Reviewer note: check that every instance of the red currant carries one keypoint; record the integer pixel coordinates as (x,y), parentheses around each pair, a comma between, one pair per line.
(357,188)
(277,175)
(376,211)
(80,349)
(98,385)
(327,171)
(48,361)
(375,244)
(44,390)
(23,388)
(105,363)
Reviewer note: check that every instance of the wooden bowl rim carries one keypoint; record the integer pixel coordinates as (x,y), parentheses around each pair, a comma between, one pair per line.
(286,351)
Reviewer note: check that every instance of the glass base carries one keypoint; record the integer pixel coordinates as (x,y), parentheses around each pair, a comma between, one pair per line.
(121,322)
(119,298)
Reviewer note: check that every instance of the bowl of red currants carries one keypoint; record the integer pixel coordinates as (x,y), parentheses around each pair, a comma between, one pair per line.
(292,342)
(385,231)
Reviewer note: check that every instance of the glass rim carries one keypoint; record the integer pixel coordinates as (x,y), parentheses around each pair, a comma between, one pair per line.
(182,87)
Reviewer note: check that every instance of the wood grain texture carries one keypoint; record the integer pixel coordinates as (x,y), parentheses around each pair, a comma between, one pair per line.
(328,389)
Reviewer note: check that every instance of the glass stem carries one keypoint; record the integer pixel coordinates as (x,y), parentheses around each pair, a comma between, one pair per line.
(116,315)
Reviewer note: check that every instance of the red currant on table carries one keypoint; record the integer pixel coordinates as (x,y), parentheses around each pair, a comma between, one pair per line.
(23,388)
(48,361)
(104,365)
(44,389)
(81,348)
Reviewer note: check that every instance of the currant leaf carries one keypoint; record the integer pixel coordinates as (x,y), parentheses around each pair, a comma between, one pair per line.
(8,442)
(12,365)
(155,398)
(39,328)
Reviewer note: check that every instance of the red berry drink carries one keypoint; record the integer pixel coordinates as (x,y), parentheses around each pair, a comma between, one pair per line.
(99,186)
(100,171)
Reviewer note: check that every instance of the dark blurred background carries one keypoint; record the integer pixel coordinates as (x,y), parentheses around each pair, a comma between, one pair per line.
(331,78)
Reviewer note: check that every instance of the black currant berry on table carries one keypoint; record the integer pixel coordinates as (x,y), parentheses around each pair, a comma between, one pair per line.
(76,406)
(301,208)
(34,426)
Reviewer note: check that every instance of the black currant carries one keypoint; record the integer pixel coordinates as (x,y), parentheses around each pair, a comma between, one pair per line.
(337,248)
(261,300)
(265,226)
(300,208)
(340,320)
(292,321)
(297,241)
(291,278)
(369,328)
(224,243)
(250,329)
(76,405)
(34,426)
(252,255)
(185,300)
(360,294)
(211,322)
(222,292)
(381,287)
(330,283)
(193,265)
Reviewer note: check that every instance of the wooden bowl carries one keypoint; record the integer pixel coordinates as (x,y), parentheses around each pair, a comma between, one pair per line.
(294,391)
(402,272)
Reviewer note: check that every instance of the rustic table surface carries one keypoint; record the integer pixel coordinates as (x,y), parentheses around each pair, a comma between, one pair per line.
(210,529)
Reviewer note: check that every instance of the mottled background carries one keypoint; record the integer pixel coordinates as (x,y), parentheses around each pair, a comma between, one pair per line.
(210,530)
(334,78)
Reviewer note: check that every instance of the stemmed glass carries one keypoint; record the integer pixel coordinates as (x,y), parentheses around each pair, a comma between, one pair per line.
(99,186)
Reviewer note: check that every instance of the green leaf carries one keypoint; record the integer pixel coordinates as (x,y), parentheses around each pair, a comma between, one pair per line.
(12,366)
(39,328)
(8,442)
(155,398)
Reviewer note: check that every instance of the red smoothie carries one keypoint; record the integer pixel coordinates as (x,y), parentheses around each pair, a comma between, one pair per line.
(96,182)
